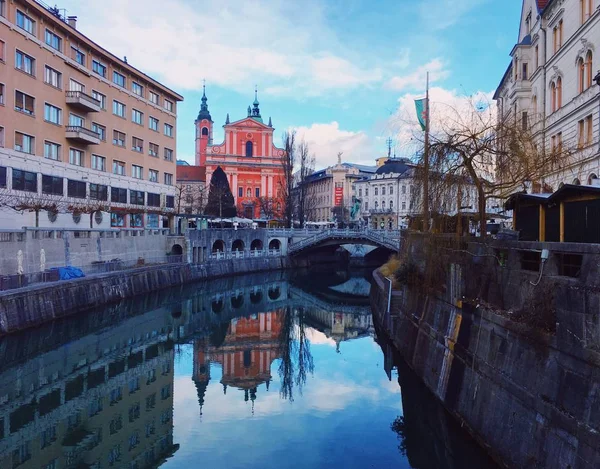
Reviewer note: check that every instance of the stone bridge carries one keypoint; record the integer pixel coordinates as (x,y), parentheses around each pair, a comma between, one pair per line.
(389,239)
(229,243)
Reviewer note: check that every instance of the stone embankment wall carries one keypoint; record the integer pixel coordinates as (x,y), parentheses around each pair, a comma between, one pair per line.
(35,250)
(41,303)
(525,389)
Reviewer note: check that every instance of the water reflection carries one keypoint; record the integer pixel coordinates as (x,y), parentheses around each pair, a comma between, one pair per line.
(236,372)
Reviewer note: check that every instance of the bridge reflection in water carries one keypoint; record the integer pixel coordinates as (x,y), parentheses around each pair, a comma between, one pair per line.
(99,390)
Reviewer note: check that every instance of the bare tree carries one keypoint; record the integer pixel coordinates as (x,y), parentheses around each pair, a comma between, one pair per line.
(270,207)
(496,156)
(288,161)
(304,198)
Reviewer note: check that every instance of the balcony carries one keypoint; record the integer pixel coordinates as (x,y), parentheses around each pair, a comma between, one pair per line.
(80,100)
(82,135)
(381,211)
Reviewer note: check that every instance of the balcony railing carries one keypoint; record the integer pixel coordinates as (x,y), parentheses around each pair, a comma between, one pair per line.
(82,135)
(381,211)
(83,101)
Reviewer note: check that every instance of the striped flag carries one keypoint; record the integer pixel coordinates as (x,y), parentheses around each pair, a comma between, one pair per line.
(421,105)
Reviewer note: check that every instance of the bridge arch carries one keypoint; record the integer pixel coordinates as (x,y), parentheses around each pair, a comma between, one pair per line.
(218,246)
(237,245)
(237,301)
(274,244)
(256,297)
(256,245)
(217,305)
(274,293)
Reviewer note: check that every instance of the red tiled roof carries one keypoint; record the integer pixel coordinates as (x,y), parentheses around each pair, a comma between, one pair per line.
(191,173)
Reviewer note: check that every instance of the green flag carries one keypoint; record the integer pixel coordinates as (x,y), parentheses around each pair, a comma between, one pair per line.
(420,104)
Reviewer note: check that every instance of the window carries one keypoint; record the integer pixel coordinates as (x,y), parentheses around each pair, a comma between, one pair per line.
(1,137)
(52,151)
(360,192)
(537,57)
(524,75)
(168,105)
(366,205)
(118,195)
(137,88)
(98,192)
(587,9)
(76,121)
(524,121)
(53,40)
(52,185)
(168,154)
(136,197)
(257,192)
(99,68)
(581,134)
(376,191)
(2,48)
(25,22)
(52,77)
(383,190)
(249,148)
(118,79)
(137,171)
(74,85)
(153,200)
(588,69)
(153,149)
(24,180)
(100,97)
(170,201)
(119,138)
(75,157)
(118,108)
(137,117)
(78,56)
(52,114)
(153,97)
(98,162)
(25,63)
(137,144)
(100,130)
(76,189)
(168,179)
(136,220)
(24,143)
(152,177)
(557,36)
(391,190)
(240,192)
(153,123)
(534,105)
(118,168)
(383,205)
(556,94)
(3,8)
(169,131)
(588,132)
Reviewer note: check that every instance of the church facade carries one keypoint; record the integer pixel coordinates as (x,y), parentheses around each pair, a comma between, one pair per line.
(251,161)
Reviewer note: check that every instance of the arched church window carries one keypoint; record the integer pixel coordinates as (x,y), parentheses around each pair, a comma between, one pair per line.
(204,130)
(249,148)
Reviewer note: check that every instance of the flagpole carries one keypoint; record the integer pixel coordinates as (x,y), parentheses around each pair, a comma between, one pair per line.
(426,213)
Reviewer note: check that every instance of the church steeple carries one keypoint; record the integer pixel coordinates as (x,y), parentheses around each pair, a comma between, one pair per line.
(255,109)
(204,113)
(227,119)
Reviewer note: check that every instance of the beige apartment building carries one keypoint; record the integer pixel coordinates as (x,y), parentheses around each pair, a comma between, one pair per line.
(81,130)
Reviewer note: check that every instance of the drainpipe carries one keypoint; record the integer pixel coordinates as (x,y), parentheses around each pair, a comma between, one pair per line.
(543,29)
(597,80)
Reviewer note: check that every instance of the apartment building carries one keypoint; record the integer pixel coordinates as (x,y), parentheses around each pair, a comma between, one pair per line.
(551,86)
(81,130)
(331,191)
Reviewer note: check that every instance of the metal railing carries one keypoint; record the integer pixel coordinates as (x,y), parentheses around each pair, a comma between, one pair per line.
(81,94)
(83,130)
(387,238)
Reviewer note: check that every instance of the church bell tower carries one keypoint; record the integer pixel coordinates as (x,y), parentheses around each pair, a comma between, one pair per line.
(204,130)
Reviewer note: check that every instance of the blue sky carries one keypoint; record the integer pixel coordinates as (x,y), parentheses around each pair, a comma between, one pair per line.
(339,71)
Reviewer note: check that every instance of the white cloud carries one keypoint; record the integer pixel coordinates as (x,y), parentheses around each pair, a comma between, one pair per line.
(441,14)
(326,140)
(233,44)
(418,78)
(445,106)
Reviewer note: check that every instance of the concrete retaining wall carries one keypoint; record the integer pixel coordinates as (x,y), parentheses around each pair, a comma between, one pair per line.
(530,401)
(37,304)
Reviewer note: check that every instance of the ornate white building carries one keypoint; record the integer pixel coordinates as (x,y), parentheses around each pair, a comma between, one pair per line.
(392,195)
(552,84)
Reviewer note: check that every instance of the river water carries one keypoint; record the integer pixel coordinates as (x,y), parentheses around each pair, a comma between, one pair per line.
(268,371)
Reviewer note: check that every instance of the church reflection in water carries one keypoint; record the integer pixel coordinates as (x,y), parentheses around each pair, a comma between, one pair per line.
(245,353)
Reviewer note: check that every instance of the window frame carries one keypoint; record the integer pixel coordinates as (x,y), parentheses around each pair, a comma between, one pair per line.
(116,107)
(52,108)
(116,140)
(118,77)
(170,128)
(23,109)
(74,189)
(53,183)
(27,178)
(31,140)
(23,69)
(48,70)
(58,152)
(73,152)
(94,159)
(22,26)
(49,33)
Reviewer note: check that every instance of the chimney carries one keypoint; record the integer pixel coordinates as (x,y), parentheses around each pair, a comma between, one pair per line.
(72,20)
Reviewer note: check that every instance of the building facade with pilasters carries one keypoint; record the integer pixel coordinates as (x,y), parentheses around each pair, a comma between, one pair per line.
(250,159)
